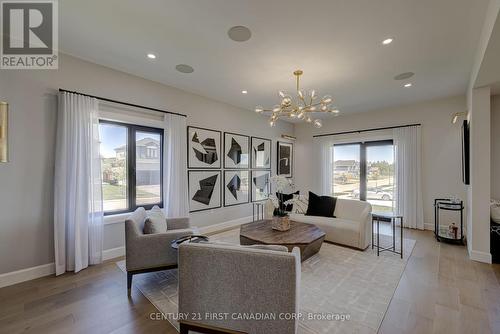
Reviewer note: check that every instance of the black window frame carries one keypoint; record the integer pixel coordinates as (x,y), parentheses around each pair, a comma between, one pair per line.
(132,129)
(362,162)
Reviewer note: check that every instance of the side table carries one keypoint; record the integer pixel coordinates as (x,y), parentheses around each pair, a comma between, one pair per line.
(393,218)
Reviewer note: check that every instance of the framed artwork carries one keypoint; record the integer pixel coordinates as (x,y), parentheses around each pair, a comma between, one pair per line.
(261,185)
(236,151)
(204,189)
(204,148)
(236,187)
(261,153)
(285,159)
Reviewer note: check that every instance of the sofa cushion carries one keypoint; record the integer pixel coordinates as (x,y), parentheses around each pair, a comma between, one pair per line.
(282,198)
(323,206)
(155,222)
(300,204)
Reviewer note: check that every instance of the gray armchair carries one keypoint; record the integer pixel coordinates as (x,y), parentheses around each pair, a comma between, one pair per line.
(230,280)
(151,252)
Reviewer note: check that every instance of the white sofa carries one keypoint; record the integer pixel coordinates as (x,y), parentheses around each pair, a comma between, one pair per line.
(352,226)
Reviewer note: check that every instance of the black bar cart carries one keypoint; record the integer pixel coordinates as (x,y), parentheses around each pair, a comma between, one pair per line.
(450,233)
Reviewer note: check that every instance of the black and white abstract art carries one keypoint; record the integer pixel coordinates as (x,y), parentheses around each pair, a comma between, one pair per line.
(236,187)
(261,153)
(285,159)
(236,151)
(204,148)
(204,189)
(260,185)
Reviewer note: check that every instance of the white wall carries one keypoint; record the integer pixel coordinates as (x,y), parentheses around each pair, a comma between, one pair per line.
(26,190)
(495,147)
(441,146)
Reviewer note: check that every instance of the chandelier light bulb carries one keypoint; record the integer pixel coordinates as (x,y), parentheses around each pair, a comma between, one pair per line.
(313,94)
(293,115)
(272,123)
(327,99)
(317,123)
(308,119)
(335,111)
(312,108)
(281,93)
(301,95)
(276,108)
(300,115)
(259,109)
(324,107)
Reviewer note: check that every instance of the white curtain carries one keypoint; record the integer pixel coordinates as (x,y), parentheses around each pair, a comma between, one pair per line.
(324,166)
(175,188)
(78,213)
(408,158)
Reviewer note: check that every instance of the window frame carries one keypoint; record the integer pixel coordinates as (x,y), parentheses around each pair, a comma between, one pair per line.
(362,162)
(132,129)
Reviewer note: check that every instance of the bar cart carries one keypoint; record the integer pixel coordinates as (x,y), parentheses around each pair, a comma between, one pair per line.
(450,233)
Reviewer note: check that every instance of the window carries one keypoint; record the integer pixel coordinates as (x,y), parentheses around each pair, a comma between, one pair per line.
(365,171)
(131,164)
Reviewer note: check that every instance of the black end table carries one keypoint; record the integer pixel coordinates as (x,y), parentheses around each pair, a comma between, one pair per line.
(393,218)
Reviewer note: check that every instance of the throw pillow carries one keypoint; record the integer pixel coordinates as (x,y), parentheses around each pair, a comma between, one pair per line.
(156,221)
(300,204)
(286,197)
(323,206)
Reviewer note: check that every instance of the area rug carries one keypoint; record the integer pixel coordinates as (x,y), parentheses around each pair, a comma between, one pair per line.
(357,286)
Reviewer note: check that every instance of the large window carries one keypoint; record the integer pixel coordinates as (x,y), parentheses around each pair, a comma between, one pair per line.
(131,163)
(365,171)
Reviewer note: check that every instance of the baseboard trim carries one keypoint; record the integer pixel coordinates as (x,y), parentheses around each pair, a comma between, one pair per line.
(480,256)
(27,274)
(112,253)
(211,229)
(429,226)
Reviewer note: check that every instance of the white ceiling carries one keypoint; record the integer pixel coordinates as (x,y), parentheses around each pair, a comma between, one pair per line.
(336,42)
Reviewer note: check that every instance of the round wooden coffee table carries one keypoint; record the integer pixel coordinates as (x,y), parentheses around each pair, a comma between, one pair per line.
(307,237)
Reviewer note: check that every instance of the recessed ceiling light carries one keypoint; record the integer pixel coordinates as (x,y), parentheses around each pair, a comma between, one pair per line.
(387,41)
(408,85)
(239,33)
(244,92)
(183,68)
(151,56)
(404,76)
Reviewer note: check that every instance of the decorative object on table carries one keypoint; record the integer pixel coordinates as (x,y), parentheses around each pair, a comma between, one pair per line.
(260,185)
(281,221)
(261,153)
(236,187)
(236,151)
(302,107)
(452,232)
(4,127)
(285,159)
(204,189)
(194,238)
(204,148)
(393,218)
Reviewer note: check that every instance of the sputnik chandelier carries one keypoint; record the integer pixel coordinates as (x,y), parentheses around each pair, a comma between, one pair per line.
(302,107)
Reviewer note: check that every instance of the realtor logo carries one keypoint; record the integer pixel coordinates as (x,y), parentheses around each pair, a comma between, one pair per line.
(29,35)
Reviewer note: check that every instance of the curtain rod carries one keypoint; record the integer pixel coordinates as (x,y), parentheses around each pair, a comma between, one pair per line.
(124,103)
(367,130)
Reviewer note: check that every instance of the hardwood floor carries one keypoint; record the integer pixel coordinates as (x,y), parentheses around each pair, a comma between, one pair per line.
(441,291)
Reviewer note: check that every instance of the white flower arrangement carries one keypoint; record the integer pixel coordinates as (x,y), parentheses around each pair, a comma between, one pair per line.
(281,184)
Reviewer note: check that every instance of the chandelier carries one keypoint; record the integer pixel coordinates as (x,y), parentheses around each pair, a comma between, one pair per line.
(302,107)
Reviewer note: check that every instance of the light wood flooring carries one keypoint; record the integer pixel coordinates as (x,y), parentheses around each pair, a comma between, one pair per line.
(441,291)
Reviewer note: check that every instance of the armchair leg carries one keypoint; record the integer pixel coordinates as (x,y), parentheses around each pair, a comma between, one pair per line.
(183,329)
(129,282)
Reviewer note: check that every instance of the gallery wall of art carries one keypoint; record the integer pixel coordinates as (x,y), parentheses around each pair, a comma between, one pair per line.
(227,169)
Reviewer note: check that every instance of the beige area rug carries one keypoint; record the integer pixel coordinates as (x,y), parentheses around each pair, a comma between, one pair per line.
(337,280)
